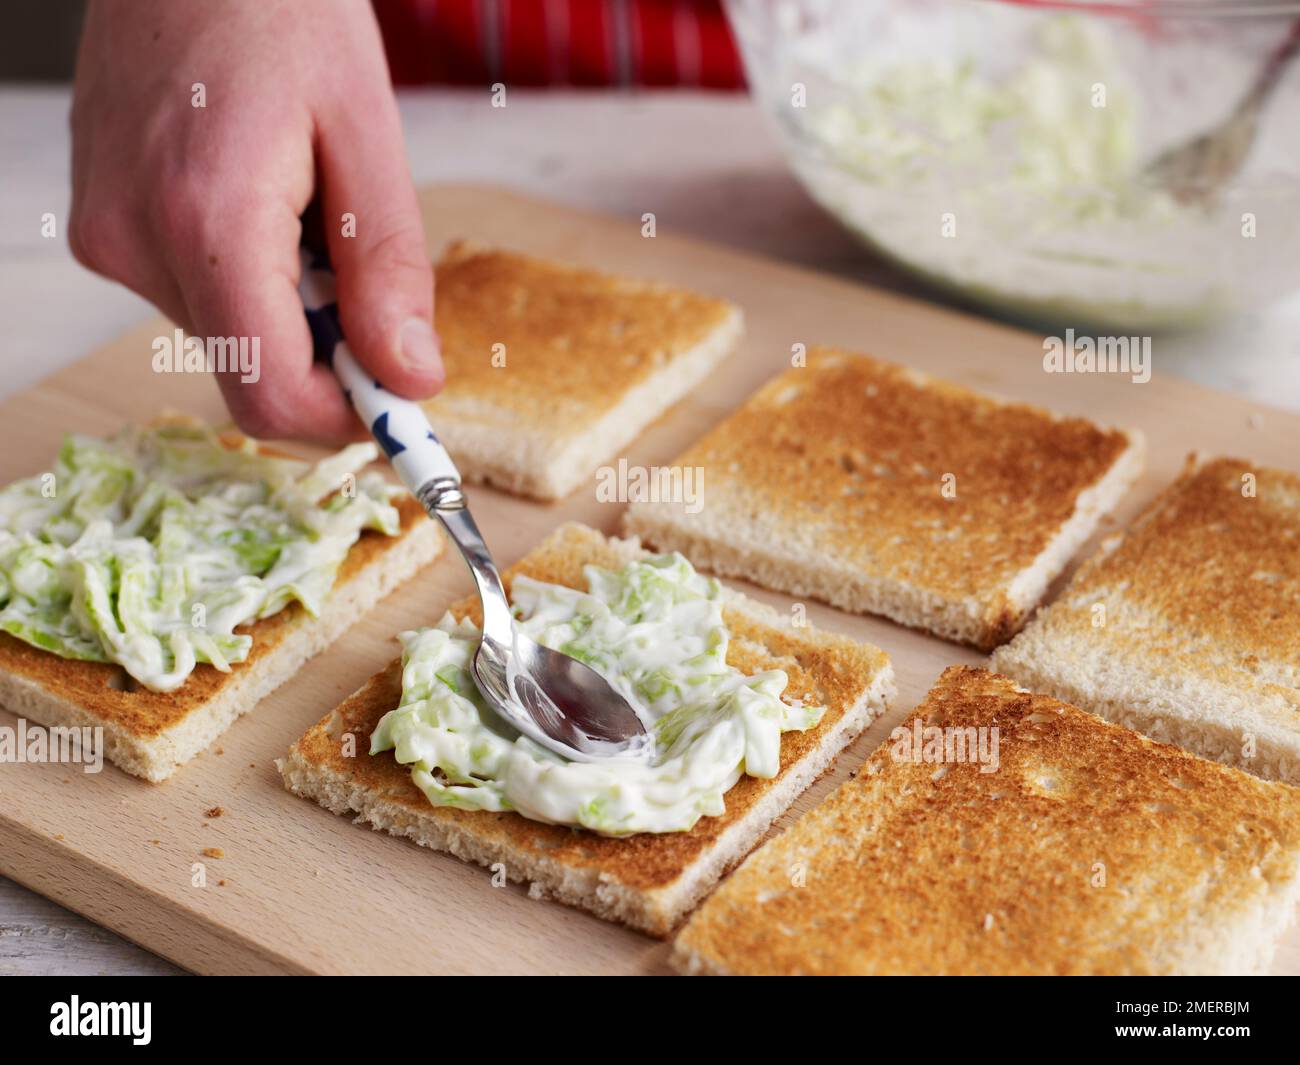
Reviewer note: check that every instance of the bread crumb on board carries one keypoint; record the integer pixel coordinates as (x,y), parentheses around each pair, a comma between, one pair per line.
(213,852)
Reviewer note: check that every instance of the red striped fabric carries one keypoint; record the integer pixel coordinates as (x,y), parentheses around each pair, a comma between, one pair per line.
(528,55)
(559,42)
(589,42)
(455,30)
(654,43)
(719,64)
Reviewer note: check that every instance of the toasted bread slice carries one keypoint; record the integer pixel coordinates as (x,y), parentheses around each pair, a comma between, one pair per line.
(882,490)
(1187,627)
(1088,850)
(589,361)
(647,881)
(151,734)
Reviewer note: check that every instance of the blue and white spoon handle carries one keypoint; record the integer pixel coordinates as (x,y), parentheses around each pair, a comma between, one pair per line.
(398,425)
(401,429)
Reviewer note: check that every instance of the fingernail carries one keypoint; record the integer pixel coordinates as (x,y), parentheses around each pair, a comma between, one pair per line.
(419,345)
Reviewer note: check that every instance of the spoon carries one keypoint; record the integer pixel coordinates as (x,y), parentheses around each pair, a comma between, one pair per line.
(555,700)
(1196,171)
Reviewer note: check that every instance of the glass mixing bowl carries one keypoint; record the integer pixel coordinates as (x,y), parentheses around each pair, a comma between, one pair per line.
(1001,149)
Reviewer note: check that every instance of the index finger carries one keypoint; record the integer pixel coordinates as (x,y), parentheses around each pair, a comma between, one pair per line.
(245,290)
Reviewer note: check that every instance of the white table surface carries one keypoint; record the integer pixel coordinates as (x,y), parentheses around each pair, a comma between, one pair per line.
(704,164)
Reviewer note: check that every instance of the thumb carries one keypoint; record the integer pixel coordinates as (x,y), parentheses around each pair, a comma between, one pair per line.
(376,242)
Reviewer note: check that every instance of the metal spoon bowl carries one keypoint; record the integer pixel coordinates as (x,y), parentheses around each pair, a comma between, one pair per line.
(558,692)
(554,699)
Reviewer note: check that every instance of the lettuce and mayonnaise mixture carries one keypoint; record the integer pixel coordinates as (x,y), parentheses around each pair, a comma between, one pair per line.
(150,548)
(1044,132)
(655,631)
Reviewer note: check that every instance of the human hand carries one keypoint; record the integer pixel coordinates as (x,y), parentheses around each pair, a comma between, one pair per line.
(198,208)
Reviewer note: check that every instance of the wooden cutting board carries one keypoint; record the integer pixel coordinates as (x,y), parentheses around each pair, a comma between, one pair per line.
(301,890)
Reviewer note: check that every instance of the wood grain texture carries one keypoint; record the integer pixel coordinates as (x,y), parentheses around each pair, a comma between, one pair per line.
(306,891)
(41,938)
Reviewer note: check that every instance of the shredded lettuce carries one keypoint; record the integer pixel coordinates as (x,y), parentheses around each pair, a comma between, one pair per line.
(151,548)
(1033,132)
(655,631)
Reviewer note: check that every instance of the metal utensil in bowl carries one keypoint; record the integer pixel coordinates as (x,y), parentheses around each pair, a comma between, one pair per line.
(555,700)
(1196,171)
